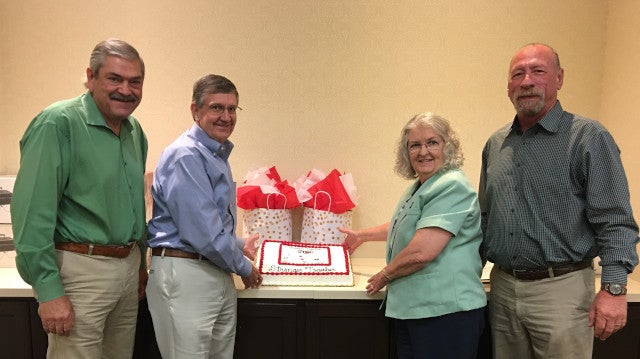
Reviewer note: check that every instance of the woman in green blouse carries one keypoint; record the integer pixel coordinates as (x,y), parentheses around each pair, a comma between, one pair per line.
(434,292)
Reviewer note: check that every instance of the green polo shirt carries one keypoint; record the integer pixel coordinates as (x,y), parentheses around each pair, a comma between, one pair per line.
(451,282)
(78,182)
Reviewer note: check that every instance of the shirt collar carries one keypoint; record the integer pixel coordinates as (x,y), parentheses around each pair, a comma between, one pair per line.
(219,149)
(94,116)
(550,122)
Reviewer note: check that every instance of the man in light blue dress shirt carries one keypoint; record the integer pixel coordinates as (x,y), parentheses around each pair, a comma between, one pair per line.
(191,293)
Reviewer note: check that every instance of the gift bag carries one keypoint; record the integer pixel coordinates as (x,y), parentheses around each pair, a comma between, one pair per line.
(258,186)
(270,223)
(320,226)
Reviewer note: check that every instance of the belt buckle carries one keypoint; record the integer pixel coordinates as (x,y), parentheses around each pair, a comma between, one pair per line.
(516,271)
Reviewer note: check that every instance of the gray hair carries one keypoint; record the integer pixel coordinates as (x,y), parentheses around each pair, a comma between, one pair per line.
(209,84)
(113,47)
(453,157)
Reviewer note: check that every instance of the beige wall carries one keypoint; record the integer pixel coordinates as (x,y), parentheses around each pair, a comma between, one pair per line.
(619,92)
(326,83)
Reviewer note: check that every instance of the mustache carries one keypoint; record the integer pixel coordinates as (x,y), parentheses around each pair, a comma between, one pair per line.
(123,98)
(223,124)
(528,93)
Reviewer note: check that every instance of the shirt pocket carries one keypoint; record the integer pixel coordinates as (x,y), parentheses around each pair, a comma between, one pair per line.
(409,218)
(404,229)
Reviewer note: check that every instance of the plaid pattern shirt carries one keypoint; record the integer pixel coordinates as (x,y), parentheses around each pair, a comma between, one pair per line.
(557,194)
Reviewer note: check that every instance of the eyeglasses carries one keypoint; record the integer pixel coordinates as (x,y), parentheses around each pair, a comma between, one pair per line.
(415,147)
(219,109)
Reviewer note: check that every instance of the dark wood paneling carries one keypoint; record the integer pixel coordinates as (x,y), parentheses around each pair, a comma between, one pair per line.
(15,329)
(624,344)
(346,329)
(268,329)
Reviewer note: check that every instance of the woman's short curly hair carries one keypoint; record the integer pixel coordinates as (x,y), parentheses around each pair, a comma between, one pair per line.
(453,157)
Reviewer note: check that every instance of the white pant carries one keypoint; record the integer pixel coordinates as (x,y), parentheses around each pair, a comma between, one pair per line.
(193,305)
(104,295)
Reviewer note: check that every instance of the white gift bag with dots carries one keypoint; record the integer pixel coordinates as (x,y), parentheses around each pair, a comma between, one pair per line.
(319,226)
(269,223)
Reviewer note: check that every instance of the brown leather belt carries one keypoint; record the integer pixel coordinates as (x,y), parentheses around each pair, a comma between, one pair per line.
(121,251)
(170,252)
(553,271)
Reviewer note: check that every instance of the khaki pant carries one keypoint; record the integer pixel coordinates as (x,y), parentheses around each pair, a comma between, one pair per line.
(547,318)
(193,305)
(104,294)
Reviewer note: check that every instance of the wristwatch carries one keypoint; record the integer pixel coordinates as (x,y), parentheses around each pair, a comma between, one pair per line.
(614,288)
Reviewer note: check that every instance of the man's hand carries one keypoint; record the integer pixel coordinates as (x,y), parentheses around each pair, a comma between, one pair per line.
(143,278)
(251,246)
(57,316)
(253,280)
(608,314)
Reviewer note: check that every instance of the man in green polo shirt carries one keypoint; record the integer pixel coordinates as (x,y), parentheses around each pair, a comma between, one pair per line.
(78,210)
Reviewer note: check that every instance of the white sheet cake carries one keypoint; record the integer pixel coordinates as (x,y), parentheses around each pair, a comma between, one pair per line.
(304,264)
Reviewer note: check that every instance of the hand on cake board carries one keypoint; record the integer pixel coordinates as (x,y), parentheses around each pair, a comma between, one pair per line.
(253,280)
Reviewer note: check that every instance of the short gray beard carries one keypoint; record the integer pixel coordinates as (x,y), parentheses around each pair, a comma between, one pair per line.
(526,109)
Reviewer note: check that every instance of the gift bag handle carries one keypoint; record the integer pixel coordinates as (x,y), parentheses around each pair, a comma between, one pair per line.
(315,198)
(285,199)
